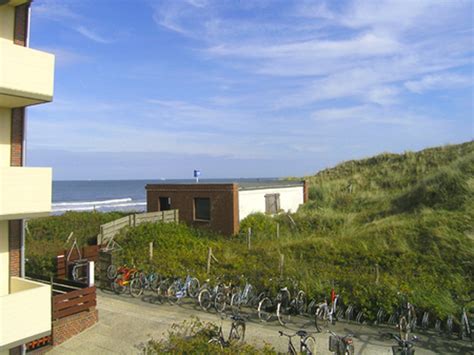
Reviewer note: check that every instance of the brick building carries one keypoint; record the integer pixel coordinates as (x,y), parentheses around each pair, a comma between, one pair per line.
(26,78)
(221,206)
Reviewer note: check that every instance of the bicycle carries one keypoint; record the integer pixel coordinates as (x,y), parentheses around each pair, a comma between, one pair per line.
(236,334)
(341,345)
(287,307)
(466,326)
(404,347)
(247,297)
(144,282)
(307,343)
(123,279)
(207,295)
(224,297)
(179,289)
(407,319)
(267,307)
(325,314)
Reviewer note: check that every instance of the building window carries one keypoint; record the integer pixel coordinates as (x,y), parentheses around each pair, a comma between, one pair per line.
(165,203)
(272,203)
(202,209)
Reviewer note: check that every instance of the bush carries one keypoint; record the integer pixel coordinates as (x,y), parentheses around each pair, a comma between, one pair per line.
(192,337)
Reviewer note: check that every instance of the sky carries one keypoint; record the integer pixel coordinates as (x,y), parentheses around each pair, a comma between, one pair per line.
(263,88)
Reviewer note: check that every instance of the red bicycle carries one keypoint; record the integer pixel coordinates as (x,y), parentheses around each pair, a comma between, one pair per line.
(125,275)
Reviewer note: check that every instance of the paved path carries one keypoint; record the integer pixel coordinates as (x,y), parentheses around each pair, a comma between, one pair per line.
(125,324)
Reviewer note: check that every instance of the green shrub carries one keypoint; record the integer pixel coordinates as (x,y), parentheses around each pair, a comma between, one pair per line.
(192,337)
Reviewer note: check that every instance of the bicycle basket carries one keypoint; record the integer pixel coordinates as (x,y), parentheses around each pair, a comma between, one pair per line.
(333,343)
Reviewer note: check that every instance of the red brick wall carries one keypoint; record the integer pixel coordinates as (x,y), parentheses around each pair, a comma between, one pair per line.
(14,246)
(17,136)
(67,327)
(21,24)
(223,198)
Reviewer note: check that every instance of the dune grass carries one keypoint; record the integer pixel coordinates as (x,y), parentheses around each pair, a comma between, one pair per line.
(407,218)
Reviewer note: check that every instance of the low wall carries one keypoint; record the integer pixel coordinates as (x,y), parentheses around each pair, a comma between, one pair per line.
(67,327)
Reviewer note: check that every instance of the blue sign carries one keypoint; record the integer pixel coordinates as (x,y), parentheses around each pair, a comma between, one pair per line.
(197,173)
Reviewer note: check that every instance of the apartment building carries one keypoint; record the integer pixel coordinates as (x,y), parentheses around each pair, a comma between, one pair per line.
(26,78)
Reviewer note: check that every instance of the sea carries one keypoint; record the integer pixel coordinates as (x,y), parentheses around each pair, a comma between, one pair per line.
(113,195)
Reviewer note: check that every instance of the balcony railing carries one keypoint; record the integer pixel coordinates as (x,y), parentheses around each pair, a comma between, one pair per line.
(25,192)
(26,75)
(25,313)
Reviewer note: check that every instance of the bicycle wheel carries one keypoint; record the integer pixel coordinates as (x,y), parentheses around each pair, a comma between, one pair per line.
(204,299)
(193,287)
(220,302)
(118,285)
(321,317)
(75,273)
(161,292)
(309,345)
(300,302)
(111,272)
(173,291)
(283,314)
(136,288)
(350,350)
(237,333)
(403,328)
(154,280)
(235,302)
(264,309)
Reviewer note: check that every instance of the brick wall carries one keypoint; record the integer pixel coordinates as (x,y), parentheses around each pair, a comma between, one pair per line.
(224,200)
(17,136)
(14,246)
(15,351)
(21,24)
(65,328)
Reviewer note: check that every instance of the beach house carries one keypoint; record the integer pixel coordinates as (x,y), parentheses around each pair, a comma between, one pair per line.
(26,78)
(221,206)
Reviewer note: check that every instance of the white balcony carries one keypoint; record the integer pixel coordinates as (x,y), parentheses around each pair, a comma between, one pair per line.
(25,192)
(26,75)
(25,313)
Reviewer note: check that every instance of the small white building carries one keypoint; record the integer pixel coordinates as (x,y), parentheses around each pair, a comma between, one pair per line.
(270,197)
(221,206)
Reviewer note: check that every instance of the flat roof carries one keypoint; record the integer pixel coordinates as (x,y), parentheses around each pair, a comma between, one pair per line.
(255,185)
(247,184)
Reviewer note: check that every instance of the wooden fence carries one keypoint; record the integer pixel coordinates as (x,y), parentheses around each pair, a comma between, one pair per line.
(74,302)
(69,297)
(109,230)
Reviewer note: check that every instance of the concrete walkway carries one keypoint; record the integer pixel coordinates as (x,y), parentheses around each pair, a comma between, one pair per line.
(126,324)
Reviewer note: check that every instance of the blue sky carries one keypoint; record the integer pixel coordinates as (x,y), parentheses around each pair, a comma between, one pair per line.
(151,89)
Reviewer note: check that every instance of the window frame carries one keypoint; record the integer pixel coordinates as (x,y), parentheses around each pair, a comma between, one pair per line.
(195,208)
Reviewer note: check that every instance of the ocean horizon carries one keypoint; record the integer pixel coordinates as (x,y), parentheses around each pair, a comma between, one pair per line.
(114,195)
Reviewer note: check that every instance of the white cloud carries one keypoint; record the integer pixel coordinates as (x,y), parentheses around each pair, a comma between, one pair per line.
(56,10)
(88,33)
(438,82)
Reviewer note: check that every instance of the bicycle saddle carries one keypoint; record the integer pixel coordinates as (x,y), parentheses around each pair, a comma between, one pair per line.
(237,317)
(302,333)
